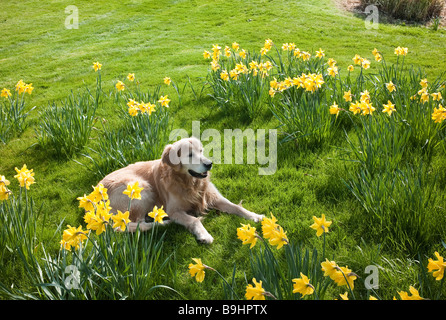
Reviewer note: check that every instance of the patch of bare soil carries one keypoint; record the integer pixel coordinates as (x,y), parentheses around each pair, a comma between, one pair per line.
(354,6)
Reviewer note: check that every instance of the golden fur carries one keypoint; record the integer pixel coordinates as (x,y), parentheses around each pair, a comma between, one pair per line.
(181,186)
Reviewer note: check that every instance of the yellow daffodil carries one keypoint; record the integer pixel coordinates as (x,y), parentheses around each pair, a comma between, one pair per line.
(147,107)
(20,86)
(377,55)
(344,296)
(98,221)
(167,81)
(97,66)
(437,267)
(297,53)
(131,77)
(242,53)
(268,44)
(235,46)
(302,285)
(133,191)
(197,270)
(367,108)
(357,59)
(268,226)
(120,85)
(424,97)
(164,101)
(344,277)
(241,68)
(347,96)
(99,193)
(5,93)
(4,191)
(133,110)
(424,83)
(273,232)
(401,51)
(86,203)
(285,46)
(330,268)
(436,96)
(224,75)
(255,292)
(334,109)
(415,295)
(306,56)
(365,63)
(320,54)
(247,234)
(4,181)
(233,74)
(227,51)
(355,107)
(389,108)
(103,209)
(320,225)
(272,92)
(332,71)
(73,237)
(390,86)
(331,62)
(263,51)
(120,220)
(29,88)
(157,214)
(24,176)
(340,275)
(278,238)
(365,96)
(206,54)
(350,68)
(216,52)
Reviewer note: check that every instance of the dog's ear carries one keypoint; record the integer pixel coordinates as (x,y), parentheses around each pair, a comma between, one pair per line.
(165,158)
(170,156)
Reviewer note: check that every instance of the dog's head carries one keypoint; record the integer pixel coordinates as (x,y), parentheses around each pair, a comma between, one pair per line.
(186,156)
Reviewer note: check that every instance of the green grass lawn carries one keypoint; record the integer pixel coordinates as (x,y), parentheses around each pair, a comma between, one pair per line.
(154,39)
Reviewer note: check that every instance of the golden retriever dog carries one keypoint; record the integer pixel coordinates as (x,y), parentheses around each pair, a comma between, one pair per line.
(179,182)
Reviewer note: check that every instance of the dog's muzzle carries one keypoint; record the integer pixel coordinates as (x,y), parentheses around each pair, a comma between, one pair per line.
(202,175)
(198,175)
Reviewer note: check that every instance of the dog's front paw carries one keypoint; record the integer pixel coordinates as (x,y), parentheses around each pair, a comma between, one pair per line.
(206,239)
(256,217)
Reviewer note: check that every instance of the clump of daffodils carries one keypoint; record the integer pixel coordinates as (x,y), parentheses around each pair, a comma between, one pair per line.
(272,232)
(140,107)
(340,275)
(4,191)
(311,82)
(24,176)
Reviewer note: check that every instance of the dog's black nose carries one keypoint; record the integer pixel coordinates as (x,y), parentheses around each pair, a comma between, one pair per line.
(208,165)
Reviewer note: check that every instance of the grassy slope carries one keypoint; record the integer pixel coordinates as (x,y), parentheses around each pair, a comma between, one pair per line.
(154,40)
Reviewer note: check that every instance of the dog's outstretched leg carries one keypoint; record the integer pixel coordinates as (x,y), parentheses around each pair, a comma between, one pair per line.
(193,224)
(144,226)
